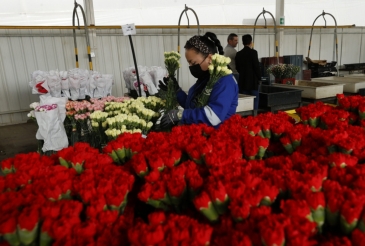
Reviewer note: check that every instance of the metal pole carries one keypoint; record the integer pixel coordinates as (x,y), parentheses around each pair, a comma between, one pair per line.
(335,36)
(276,31)
(178,30)
(135,65)
(86,34)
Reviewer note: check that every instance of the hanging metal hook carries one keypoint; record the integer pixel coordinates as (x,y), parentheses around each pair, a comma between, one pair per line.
(186,9)
(254,31)
(325,21)
(335,37)
(86,34)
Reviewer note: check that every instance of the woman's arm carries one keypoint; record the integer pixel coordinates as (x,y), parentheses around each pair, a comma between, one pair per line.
(181,98)
(224,94)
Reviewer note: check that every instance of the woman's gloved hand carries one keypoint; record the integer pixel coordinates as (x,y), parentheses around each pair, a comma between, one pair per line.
(163,85)
(171,118)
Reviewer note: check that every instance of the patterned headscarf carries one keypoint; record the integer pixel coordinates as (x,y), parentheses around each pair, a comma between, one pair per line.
(197,43)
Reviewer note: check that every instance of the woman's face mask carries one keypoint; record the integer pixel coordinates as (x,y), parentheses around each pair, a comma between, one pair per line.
(198,64)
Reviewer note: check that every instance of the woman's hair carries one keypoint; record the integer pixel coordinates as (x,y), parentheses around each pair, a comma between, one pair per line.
(206,44)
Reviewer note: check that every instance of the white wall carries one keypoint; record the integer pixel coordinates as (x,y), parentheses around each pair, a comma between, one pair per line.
(23,51)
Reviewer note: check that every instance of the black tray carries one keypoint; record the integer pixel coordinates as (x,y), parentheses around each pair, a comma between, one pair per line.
(271,96)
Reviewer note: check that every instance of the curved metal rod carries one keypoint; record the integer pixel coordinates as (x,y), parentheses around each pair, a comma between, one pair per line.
(86,34)
(335,37)
(276,41)
(325,21)
(178,30)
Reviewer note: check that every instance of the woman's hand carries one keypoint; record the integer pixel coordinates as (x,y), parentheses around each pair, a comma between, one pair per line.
(171,118)
(163,85)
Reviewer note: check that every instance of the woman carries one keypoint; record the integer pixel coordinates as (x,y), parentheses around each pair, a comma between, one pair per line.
(223,99)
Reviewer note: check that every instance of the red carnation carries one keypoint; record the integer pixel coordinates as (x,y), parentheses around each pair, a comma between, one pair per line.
(202,201)
(107,217)
(176,186)
(157,218)
(351,210)
(28,218)
(269,192)
(155,162)
(152,235)
(293,208)
(240,209)
(300,226)
(357,237)
(50,210)
(145,192)
(8,224)
(158,190)
(341,160)
(273,235)
(236,189)
(86,229)
(217,191)
(201,233)
(152,176)
(62,227)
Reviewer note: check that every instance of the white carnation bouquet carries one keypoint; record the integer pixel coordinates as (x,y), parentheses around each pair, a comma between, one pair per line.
(217,69)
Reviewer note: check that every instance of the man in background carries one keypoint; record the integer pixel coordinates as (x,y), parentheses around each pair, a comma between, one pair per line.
(230,51)
(248,67)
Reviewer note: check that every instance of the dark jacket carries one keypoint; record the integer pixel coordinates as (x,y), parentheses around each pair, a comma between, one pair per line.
(222,102)
(248,67)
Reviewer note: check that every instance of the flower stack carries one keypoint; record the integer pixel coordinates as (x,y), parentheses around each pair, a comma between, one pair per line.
(262,180)
(284,73)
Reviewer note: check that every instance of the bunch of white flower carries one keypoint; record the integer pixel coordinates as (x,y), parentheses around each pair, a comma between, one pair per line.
(217,69)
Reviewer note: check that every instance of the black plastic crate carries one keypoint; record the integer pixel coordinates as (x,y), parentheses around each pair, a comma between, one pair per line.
(354,66)
(271,96)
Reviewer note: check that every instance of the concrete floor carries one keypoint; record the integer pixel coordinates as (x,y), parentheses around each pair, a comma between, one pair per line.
(15,139)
